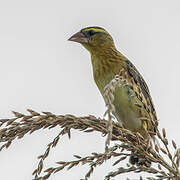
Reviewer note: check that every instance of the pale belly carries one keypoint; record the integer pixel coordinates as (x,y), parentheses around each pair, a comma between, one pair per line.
(126,112)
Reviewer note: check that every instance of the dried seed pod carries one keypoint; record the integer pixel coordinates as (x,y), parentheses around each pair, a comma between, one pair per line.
(164,151)
(47,176)
(34,172)
(159,135)
(174,144)
(165,141)
(18,115)
(164,132)
(178,162)
(33,113)
(159,167)
(121,159)
(170,156)
(157,148)
(40,166)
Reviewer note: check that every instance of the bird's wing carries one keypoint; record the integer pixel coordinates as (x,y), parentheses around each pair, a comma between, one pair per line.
(138,79)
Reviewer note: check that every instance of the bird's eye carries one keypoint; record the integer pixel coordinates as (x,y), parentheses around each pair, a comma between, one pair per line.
(91,32)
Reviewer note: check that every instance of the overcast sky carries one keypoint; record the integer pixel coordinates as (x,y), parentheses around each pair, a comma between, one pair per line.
(41,70)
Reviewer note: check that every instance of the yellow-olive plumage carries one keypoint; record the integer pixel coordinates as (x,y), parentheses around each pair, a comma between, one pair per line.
(107,62)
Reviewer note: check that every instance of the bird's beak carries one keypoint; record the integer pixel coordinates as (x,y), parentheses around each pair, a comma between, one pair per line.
(79,37)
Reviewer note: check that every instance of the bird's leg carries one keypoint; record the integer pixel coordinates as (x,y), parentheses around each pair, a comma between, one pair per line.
(134,159)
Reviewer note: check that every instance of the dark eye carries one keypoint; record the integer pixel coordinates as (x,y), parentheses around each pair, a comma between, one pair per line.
(91,32)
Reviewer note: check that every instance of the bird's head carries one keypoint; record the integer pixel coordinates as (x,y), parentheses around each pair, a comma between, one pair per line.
(94,39)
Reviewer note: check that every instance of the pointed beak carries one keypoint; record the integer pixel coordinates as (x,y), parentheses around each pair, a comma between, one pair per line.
(79,37)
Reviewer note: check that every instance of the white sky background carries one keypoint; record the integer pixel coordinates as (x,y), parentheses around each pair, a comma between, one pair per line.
(41,70)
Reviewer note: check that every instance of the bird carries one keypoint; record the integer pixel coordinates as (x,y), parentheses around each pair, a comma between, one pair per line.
(107,62)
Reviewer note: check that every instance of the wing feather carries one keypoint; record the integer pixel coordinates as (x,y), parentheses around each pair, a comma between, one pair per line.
(133,72)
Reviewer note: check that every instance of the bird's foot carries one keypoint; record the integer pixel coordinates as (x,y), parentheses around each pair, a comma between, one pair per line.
(138,160)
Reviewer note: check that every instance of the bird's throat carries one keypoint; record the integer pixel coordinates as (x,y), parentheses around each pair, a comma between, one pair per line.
(105,67)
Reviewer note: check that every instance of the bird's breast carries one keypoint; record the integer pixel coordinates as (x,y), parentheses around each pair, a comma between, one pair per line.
(126,112)
(125,109)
